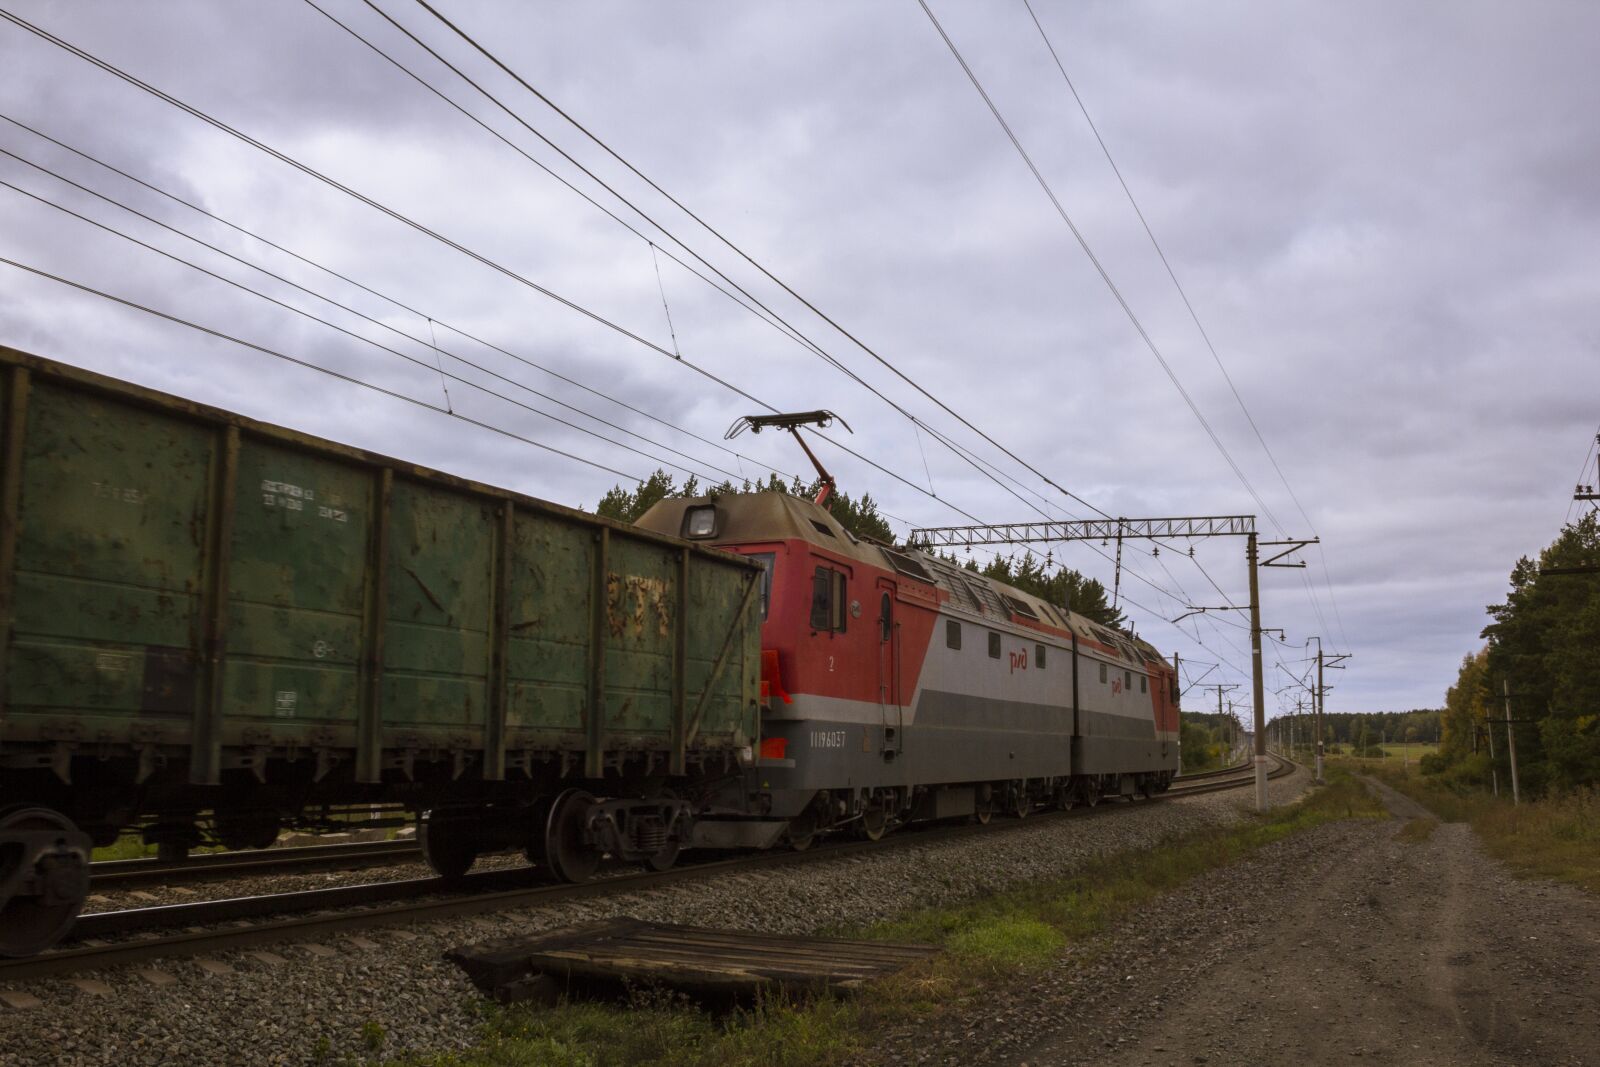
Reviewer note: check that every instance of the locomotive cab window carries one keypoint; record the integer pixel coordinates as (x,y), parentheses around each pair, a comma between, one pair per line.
(1102,674)
(829,597)
(994,646)
(767,560)
(1142,683)
(1038,656)
(952,634)
(1127,681)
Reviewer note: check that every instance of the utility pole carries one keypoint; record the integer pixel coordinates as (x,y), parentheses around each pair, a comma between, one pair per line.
(1221,723)
(1252,554)
(1321,696)
(1511,741)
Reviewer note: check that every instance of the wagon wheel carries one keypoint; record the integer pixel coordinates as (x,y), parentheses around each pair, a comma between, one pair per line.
(664,857)
(31,924)
(569,857)
(237,831)
(447,844)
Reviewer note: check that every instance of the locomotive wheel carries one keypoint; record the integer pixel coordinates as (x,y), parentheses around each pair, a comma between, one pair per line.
(985,806)
(1066,799)
(1021,803)
(566,854)
(802,832)
(874,823)
(29,925)
(447,845)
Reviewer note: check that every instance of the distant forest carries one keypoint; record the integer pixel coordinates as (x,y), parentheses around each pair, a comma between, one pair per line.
(1206,735)
(1542,661)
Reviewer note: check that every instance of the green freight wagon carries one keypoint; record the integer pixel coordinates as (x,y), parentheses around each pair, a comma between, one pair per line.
(215,628)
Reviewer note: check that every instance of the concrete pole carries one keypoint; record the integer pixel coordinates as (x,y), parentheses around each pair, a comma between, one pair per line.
(1511,742)
(1260,718)
(1321,699)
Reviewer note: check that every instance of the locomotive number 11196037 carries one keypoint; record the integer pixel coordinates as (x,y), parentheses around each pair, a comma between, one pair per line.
(827,738)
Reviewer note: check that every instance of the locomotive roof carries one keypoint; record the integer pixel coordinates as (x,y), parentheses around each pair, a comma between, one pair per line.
(755,517)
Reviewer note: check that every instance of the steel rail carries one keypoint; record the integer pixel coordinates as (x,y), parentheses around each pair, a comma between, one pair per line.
(1237,768)
(473,895)
(124,874)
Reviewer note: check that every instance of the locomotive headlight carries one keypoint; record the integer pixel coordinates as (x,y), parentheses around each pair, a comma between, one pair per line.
(700,522)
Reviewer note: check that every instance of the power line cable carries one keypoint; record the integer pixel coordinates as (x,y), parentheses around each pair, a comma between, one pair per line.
(312,172)
(387,298)
(439,351)
(773,318)
(1182,293)
(481,50)
(1099,267)
(349,333)
(312,366)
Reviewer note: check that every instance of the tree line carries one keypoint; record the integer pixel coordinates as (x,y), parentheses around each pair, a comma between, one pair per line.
(1542,662)
(1058,585)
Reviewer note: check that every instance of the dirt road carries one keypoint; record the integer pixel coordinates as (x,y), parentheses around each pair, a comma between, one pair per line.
(1344,944)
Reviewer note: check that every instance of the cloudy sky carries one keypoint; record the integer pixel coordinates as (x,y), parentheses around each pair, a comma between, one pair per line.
(1384,217)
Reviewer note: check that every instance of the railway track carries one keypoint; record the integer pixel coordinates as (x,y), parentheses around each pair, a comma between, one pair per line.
(130,874)
(316,913)
(213,866)
(1237,768)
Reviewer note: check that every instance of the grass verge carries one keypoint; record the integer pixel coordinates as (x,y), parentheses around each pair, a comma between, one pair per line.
(1558,838)
(988,942)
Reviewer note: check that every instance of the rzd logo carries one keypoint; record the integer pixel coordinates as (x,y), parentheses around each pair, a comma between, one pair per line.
(1116,686)
(1019,660)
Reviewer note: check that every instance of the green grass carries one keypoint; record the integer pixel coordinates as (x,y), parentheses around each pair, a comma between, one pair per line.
(987,943)
(1557,838)
(130,847)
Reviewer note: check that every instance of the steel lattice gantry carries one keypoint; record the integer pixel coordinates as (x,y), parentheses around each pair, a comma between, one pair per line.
(1083,530)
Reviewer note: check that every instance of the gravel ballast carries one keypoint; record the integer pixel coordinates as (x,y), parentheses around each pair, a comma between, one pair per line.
(387,992)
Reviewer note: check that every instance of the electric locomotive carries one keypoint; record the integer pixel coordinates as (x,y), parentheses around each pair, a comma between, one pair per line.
(901,686)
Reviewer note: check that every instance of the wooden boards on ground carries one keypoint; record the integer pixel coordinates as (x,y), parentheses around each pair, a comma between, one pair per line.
(692,959)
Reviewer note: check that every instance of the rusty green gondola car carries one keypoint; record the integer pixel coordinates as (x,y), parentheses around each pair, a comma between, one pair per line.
(214,628)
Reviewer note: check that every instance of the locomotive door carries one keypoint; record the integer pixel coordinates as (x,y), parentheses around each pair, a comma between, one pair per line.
(889,696)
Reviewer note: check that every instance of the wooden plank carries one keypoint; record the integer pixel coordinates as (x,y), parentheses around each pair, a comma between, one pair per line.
(788,948)
(689,955)
(694,959)
(775,951)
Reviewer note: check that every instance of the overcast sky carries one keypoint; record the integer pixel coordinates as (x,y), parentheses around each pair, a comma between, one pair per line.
(1383,214)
